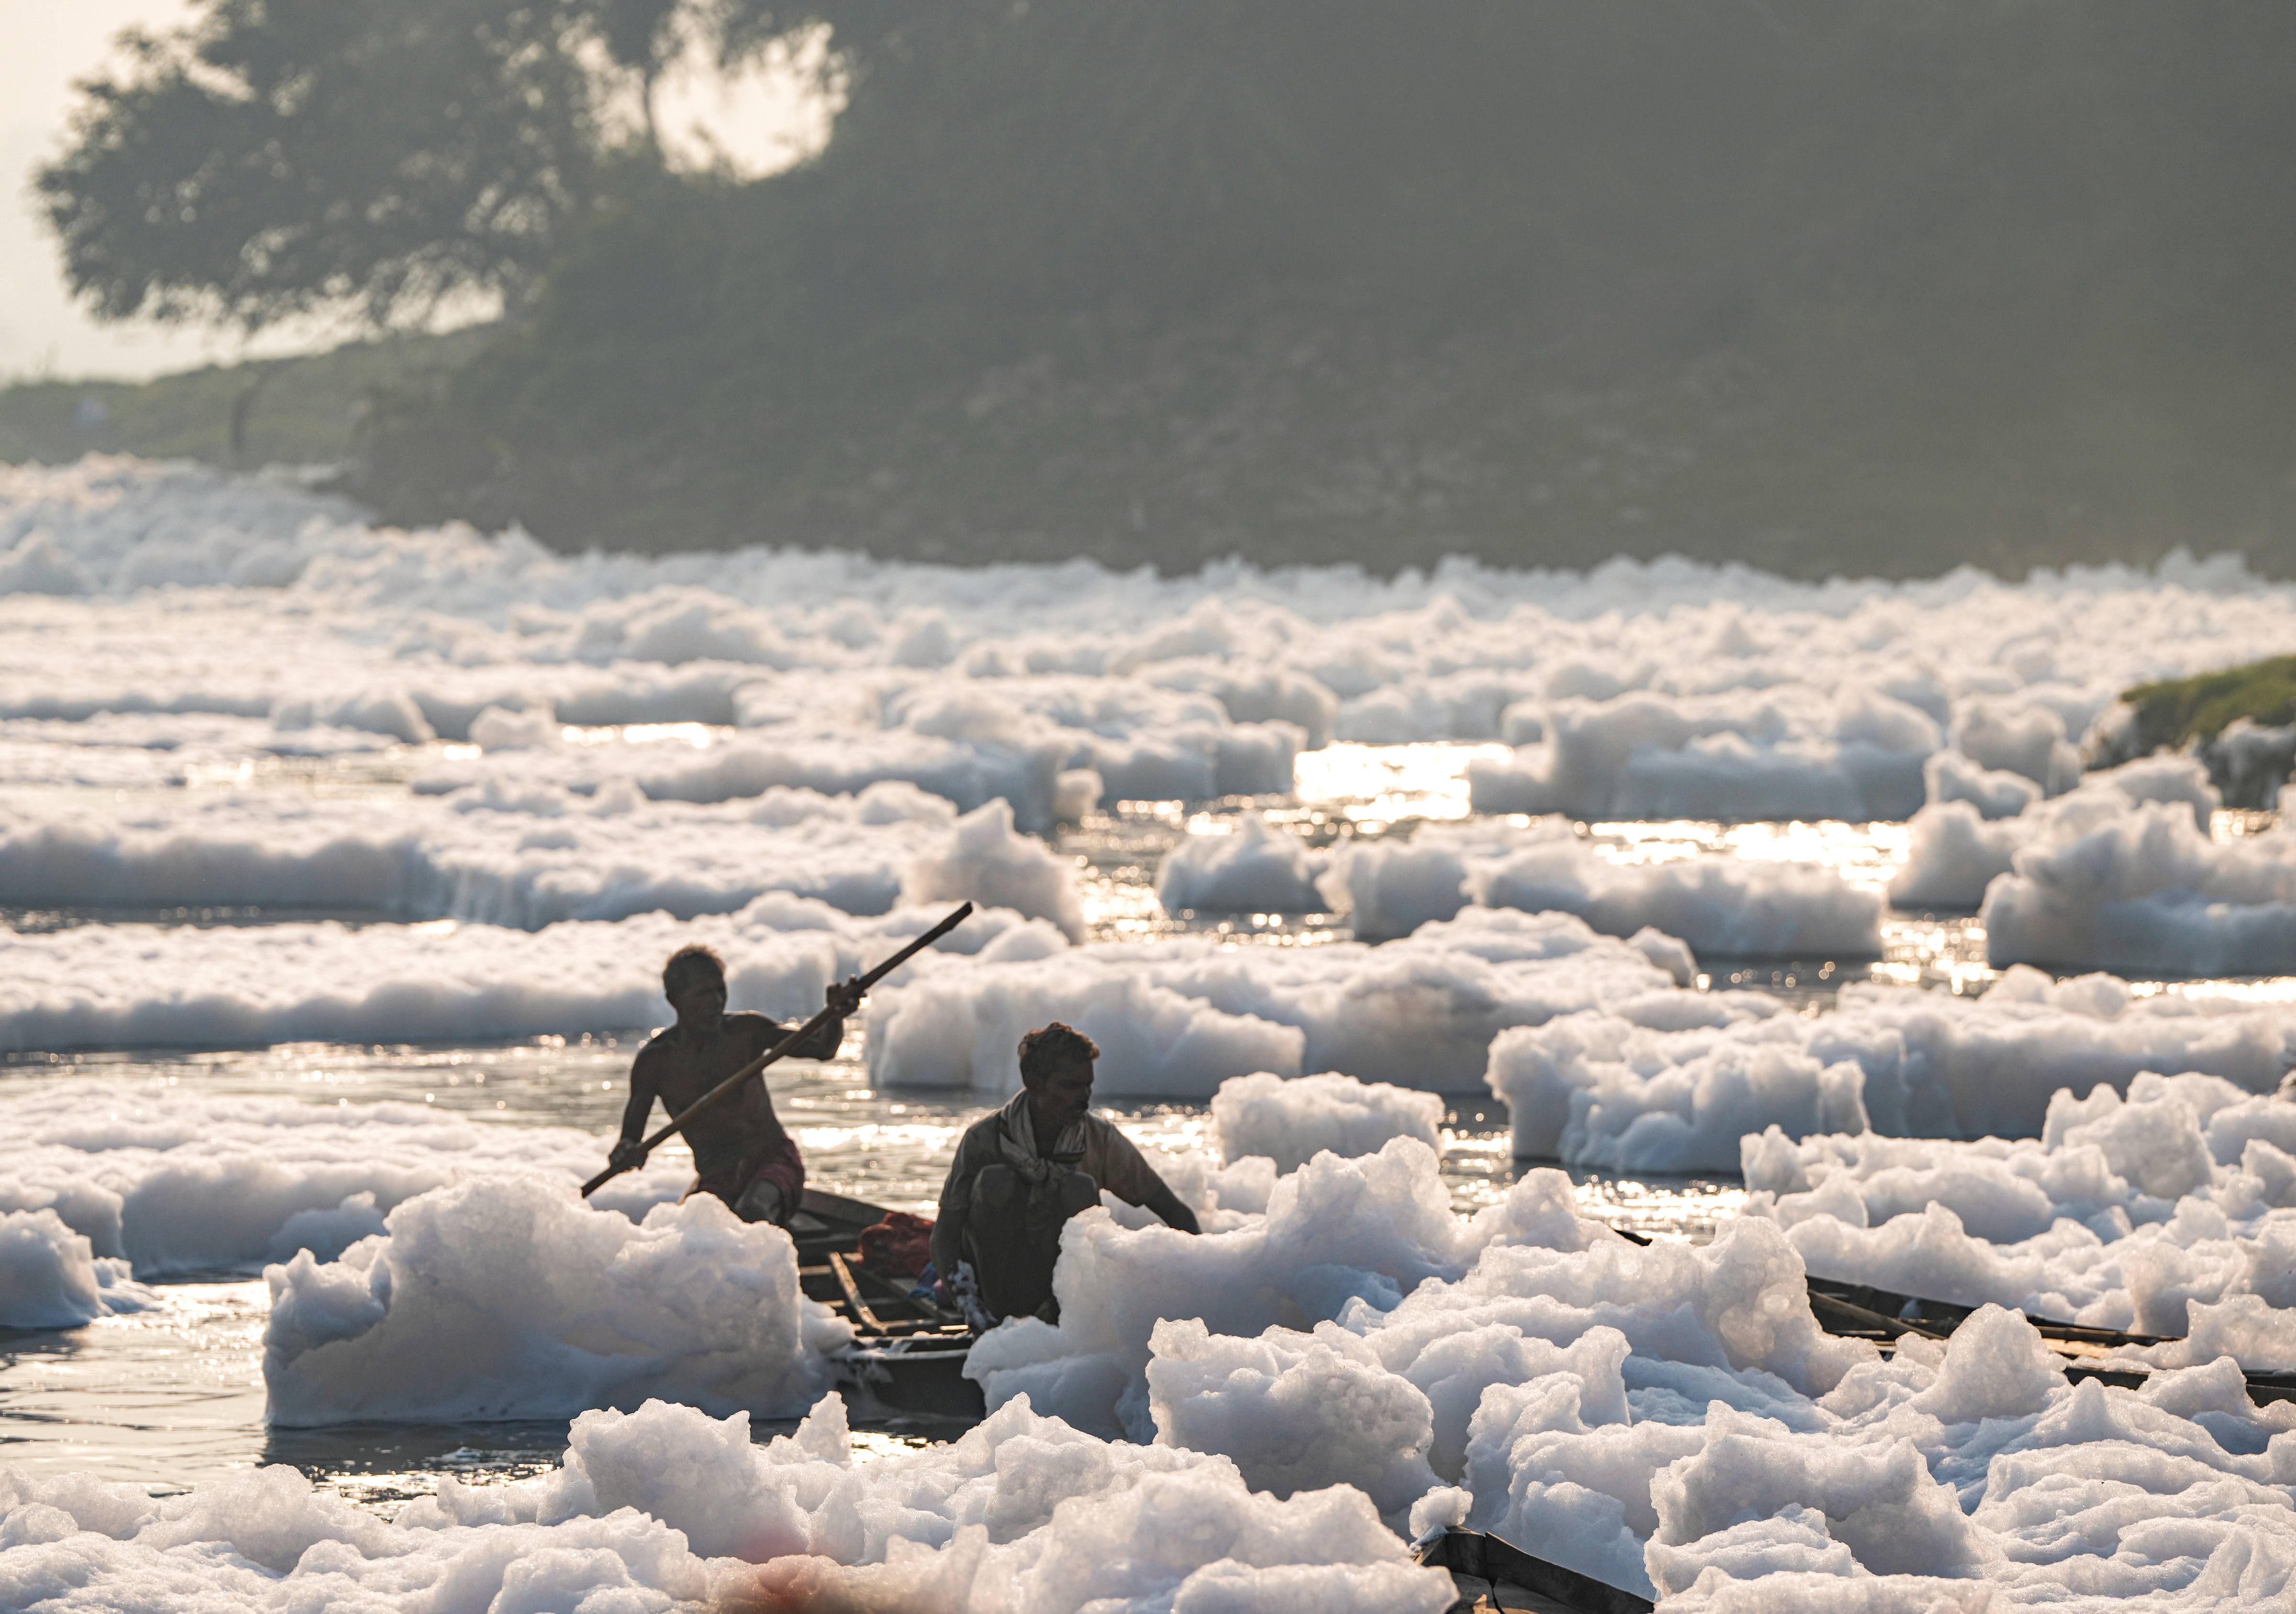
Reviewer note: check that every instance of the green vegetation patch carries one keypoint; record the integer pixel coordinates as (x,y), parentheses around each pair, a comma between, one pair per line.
(2176,711)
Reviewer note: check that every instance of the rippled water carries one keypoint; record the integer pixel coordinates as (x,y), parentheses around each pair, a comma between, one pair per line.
(168,1397)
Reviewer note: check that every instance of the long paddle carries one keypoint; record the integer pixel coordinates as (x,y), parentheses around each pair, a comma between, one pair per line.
(778,1048)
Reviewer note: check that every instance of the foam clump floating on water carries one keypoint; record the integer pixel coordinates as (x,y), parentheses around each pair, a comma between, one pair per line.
(1290,1122)
(1176,1017)
(2145,891)
(51,1277)
(528,859)
(1971,831)
(1338,1236)
(2172,1211)
(143,750)
(300,981)
(508,1297)
(1031,740)
(2119,873)
(1389,887)
(1797,752)
(1670,1081)
(665,1506)
(985,861)
(1254,867)
(171,1179)
(1334,1229)
(1995,793)
(1296,1411)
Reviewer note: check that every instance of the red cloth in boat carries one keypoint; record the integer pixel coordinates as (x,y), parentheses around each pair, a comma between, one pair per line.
(898,1247)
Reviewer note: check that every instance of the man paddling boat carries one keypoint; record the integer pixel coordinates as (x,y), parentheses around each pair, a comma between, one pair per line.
(741,1150)
(1020,1172)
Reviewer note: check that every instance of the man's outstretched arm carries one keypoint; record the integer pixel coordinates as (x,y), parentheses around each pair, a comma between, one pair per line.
(842,999)
(1132,1179)
(634,1113)
(1170,1205)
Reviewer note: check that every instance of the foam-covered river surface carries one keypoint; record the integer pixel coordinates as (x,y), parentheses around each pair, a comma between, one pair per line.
(170,1396)
(1854,928)
(167,1397)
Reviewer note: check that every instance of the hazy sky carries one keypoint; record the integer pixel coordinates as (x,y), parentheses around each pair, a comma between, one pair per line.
(50,42)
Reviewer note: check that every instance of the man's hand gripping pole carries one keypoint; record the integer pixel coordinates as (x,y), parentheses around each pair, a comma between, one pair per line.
(861,985)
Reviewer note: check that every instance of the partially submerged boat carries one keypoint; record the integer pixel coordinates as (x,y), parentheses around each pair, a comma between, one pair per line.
(1859,1311)
(908,1354)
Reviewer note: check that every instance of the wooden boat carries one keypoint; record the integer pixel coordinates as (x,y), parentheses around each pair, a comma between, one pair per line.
(906,1363)
(1492,1574)
(1859,1311)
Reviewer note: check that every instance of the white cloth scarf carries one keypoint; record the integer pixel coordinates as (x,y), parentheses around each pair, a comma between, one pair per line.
(1016,1140)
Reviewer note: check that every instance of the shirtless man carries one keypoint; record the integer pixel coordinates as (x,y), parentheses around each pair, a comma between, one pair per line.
(740,1148)
(1022,1171)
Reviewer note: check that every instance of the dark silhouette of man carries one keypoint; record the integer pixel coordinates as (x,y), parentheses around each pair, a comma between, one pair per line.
(741,1150)
(1020,1172)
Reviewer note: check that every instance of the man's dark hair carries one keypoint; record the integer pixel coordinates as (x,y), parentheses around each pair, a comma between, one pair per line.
(1047,1048)
(688,962)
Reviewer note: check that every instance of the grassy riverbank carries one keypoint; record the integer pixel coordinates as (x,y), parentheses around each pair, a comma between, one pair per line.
(2178,711)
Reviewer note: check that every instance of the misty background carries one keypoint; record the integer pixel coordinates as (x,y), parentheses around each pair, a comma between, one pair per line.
(1843,287)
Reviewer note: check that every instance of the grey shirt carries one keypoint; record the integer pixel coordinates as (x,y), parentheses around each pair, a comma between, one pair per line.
(1109,1158)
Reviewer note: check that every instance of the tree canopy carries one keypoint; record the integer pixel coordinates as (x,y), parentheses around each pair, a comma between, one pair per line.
(278,155)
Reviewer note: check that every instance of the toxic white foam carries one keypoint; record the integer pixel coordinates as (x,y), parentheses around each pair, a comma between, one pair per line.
(1671,1080)
(170,1179)
(511,1297)
(1290,1122)
(51,1276)
(529,859)
(1389,887)
(1176,1017)
(114,985)
(1666,1419)
(2170,1212)
(1664,688)
(2120,873)
(1253,867)
(667,1507)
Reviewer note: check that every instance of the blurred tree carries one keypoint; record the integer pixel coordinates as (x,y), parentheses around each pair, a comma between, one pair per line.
(1995,264)
(643,36)
(278,155)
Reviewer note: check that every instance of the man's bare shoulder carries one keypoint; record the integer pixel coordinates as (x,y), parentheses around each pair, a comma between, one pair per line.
(761,1029)
(658,1049)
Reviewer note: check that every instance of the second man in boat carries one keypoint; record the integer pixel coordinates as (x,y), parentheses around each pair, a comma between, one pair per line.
(1021,1172)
